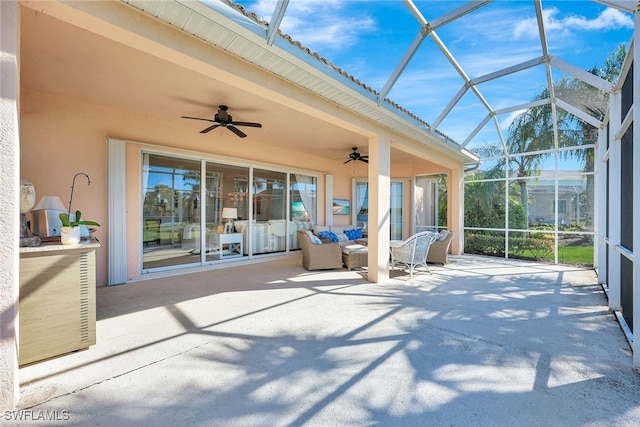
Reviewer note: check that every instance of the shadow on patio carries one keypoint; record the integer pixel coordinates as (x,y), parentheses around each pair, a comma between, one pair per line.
(479,342)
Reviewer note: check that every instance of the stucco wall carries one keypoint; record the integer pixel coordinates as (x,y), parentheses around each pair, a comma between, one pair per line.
(61,137)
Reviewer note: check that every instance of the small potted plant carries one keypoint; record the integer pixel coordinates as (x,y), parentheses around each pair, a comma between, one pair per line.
(70,230)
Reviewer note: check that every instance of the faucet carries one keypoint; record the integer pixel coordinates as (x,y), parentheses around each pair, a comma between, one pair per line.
(73,184)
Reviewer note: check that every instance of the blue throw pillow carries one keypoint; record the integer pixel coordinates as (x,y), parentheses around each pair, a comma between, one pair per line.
(328,235)
(354,234)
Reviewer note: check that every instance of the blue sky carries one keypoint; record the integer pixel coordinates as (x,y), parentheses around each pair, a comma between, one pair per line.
(367,39)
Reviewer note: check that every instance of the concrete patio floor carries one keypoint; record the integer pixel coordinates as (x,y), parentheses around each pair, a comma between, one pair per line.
(479,342)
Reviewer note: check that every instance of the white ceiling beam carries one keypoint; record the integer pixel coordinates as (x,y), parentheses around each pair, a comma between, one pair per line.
(524,106)
(417,41)
(509,70)
(415,12)
(585,76)
(547,67)
(457,13)
(459,69)
(499,131)
(426,29)
(276,20)
(476,130)
(450,106)
(578,113)
(425,24)
(624,5)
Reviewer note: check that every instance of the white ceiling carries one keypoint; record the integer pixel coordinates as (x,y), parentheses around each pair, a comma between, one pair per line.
(60,59)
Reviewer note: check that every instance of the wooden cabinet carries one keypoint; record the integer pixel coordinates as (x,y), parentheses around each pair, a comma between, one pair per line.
(57,305)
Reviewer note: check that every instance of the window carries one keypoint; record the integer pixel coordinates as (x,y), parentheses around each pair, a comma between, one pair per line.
(562,206)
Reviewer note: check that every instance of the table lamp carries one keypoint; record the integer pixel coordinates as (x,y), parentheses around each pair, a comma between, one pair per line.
(229,214)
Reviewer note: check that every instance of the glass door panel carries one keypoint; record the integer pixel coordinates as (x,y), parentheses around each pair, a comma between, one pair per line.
(397,210)
(361,205)
(170,211)
(226,211)
(269,229)
(425,193)
(304,205)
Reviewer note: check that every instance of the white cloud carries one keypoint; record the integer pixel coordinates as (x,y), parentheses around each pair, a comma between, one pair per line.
(318,24)
(607,20)
(506,121)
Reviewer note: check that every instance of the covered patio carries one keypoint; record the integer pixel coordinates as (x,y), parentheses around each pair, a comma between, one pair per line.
(481,341)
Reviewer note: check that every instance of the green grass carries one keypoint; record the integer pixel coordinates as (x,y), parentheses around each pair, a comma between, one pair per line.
(582,255)
(576,254)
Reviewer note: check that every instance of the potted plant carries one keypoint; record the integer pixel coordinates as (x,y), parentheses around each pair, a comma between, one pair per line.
(70,230)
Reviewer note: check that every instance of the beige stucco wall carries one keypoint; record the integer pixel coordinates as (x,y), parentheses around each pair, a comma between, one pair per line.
(9,207)
(61,137)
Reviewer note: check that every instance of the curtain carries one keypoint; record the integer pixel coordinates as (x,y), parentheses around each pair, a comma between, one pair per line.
(361,195)
(145,171)
(307,191)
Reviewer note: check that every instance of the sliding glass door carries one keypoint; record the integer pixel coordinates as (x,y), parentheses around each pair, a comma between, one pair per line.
(361,207)
(426,195)
(240,211)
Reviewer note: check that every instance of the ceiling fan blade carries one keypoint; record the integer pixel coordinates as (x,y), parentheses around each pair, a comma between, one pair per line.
(253,125)
(210,128)
(347,161)
(362,159)
(236,131)
(197,118)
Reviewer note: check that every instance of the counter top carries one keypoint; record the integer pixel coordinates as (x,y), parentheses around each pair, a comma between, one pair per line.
(57,246)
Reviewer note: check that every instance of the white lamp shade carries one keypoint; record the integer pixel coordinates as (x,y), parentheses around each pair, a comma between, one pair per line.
(229,213)
(50,202)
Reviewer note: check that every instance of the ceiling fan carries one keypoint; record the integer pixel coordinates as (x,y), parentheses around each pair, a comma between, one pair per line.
(357,156)
(224,119)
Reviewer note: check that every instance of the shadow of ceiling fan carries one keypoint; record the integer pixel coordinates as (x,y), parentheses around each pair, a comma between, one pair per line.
(357,156)
(224,119)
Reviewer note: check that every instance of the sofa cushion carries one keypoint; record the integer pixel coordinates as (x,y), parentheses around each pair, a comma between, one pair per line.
(443,235)
(353,248)
(314,239)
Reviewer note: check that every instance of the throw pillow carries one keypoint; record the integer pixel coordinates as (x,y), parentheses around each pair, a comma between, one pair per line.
(354,234)
(443,235)
(342,237)
(328,235)
(314,239)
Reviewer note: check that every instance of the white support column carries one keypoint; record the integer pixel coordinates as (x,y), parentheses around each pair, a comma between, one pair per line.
(600,197)
(614,202)
(10,202)
(636,195)
(379,208)
(455,199)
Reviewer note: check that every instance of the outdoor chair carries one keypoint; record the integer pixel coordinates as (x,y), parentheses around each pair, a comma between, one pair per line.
(319,257)
(440,248)
(412,253)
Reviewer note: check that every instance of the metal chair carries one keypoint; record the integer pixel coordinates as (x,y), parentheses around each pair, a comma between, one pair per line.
(412,252)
